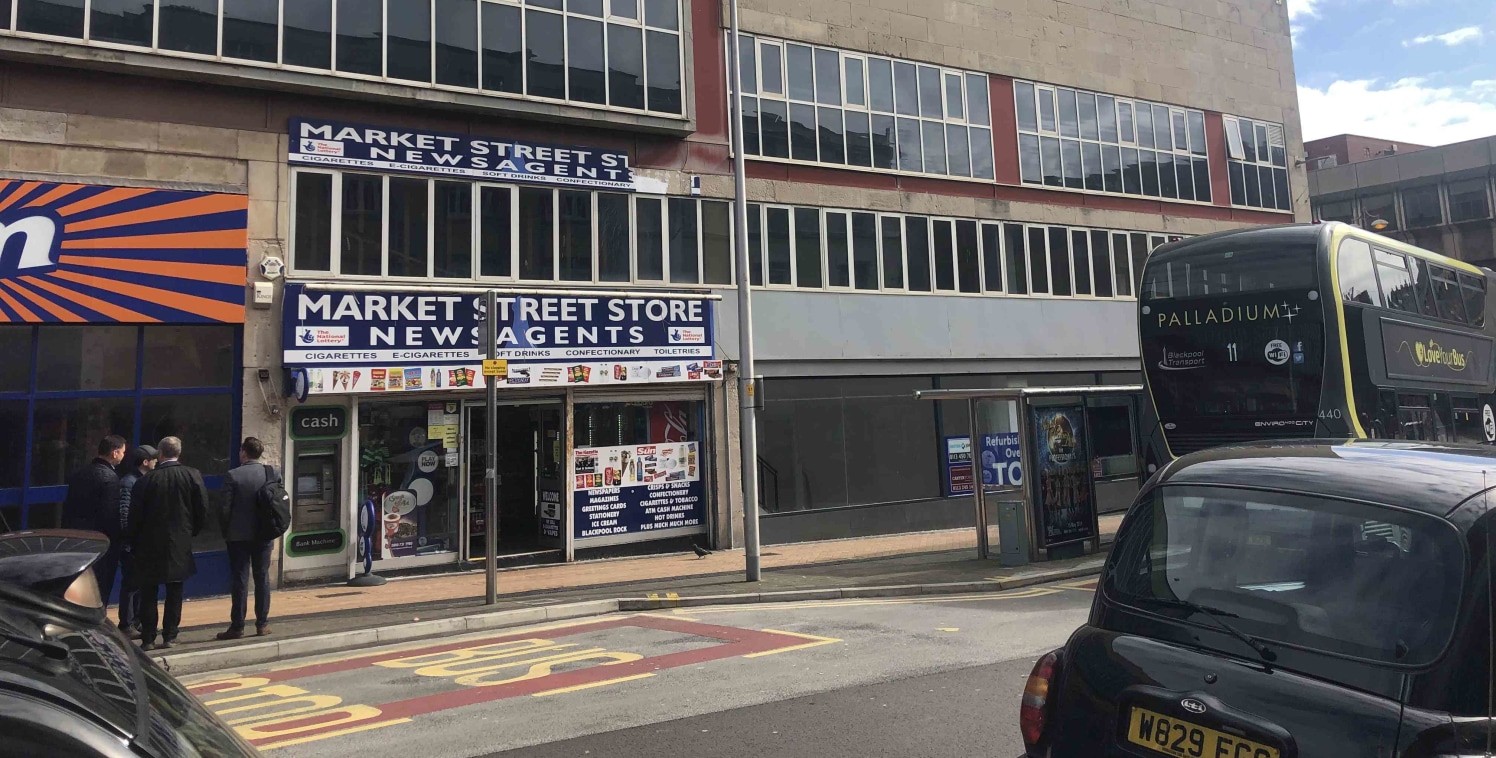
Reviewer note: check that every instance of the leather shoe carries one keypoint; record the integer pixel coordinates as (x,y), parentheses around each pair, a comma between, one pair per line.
(261,631)
(166,644)
(232,634)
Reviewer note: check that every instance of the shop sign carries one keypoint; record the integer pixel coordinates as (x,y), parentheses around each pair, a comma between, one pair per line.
(316,142)
(100,254)
(638,492)
(315,543)
(411,341)
(999,458)
(319,423)
(1064,496)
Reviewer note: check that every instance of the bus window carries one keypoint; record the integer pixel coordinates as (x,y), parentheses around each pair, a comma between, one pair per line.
(1467,422)
(1420,419)
(1424,285)
(1475,298)
(1397,282)
(1243,270)
(1358,282)
(1447,294)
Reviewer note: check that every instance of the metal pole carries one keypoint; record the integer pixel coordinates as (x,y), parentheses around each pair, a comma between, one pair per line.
(1028,458)
(747,384)
(491,457)
(978,489)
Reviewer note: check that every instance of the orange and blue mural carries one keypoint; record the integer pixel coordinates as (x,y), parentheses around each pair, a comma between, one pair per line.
(78,253)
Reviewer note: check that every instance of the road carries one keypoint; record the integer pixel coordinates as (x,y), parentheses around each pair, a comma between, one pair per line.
(916,676)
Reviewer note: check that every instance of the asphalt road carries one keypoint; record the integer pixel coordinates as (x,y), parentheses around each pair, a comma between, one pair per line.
(902,676)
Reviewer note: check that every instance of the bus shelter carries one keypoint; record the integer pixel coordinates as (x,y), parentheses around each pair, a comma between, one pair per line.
(1030,449)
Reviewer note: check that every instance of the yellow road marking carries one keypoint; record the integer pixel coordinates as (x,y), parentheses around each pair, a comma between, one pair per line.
(1086,585)
(678,615)
(338,733)
(1018,595)
(580,687)
(948,629)
(817,641)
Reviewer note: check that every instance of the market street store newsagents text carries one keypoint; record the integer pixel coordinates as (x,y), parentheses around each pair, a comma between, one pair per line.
(391,341)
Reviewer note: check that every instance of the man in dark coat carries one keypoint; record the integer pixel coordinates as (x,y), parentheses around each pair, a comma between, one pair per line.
(141,461)
(169,506)
(92,505)
(241,532)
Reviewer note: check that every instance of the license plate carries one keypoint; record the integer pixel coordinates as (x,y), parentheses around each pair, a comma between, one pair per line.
(1177,737)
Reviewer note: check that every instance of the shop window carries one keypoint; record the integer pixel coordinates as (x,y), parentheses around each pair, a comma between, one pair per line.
(65,433)
(684,252)
(647,423)
(495,231)
(306,33)
(313,221)
(613,238)
(10,519)
(453,230)
(575,235)
(408,255)
(537,226)
(362,225)
(13,444)
(15,370)
(72,358)
(393,437)
(650,215)
(203,422)
(188,356)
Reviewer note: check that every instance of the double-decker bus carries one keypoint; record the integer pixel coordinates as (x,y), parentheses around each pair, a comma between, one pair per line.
(1312,330)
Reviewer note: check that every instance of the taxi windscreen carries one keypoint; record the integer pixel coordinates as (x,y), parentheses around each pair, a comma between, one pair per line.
(1349,579)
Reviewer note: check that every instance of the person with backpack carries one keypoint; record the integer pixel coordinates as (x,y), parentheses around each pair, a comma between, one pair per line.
(256,512)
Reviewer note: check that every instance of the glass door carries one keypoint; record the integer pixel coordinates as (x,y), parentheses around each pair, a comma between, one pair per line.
(529,478)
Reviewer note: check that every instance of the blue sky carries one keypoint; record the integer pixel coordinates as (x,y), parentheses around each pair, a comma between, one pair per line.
(1421,71)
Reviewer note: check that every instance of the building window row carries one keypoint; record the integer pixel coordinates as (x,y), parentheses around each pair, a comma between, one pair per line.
(1429,205)
(1099,143)
(611,53)
(1257,162)
(823,105)
(373,225)
(822,248)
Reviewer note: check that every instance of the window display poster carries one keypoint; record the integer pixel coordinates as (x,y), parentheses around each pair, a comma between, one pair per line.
(627,493)
(550,514)
(958,466)
(1000,463)
(1063,496)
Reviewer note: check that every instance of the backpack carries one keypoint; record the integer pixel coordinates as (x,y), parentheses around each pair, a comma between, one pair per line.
(272,507)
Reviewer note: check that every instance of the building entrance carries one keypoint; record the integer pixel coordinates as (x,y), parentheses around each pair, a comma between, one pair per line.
(530,481)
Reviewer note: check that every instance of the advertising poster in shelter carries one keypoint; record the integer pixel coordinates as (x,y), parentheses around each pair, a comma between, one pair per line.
(1063,496)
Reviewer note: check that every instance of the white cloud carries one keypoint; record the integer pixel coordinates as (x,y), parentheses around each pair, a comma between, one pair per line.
(1301,8)
(1405,110)
(1457,37)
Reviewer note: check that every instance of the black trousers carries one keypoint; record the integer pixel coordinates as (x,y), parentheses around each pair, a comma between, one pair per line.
(244,556)
(118,561)
(148,612)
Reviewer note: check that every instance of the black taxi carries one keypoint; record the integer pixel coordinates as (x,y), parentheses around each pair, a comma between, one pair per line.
(1276,600)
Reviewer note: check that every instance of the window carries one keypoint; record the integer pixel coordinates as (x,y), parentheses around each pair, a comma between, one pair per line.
(1475,298)
(1090,143)
(844,109)
(1396,282)
(1358,283)
(1421,206)
(1336,210)
(1257,164)
(1468,200)
(546,48)
(1447,294)
(1380,207)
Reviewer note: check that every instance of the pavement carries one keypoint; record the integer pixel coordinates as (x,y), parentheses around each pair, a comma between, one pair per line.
(331,618)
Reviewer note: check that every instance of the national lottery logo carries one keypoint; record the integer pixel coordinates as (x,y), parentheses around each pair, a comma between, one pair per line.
(322,336)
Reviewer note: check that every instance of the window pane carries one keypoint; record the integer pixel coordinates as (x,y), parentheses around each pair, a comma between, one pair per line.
(1124,122)
(1132,176)
(803,131)
(188,356)
(363,224)
(308,33)
(1260,130)
(575,235)
(1185,174)
(555,5)
(190,26)
(1448,295)
(833,141)
(626,67)
(410,39)
(662,14)
(63,18)
(777,223)
(1028,116)
(71,358)
(1091,153)
(585,69)
(495,230)
(856,94)
(15,370)
(953,96)
(545,48)
(1047,121)
(934,137)
(1038,260)
(1087,103)
(684,265)
(1358,282)
(716,242)
(1238,183)
(1101,264)
(1197,132)
(1140,250)
(959,151)
(800,67)
(981,153)
(1475,298)
(360,37)
(807,247)
(828,77)
(865,251)
(747,64)
(906,88)
(407,227)
(772,68)
(1397,287)
(1252,185)
(1181,132)
(1280,188)
(650,247)
(1049,148)
(1468,201)
(453,230)
(1423,282)
(992,257)
(917,230)
(537,229)
(1123,267)
(1069,117)
(1202,179)
(968,261)
(838,250)
(1167,186)
(750,126)
(775,126)
(612,237)
(755,245)
(929,93)
(910,158)
(127,22)
(502,49)
(1080,261)
(203,423)
(586,7)
(1145,125)
(313,251)
(978,100)
(880,84)
(1111,167)
(457,42)
(945,265)
(1149,164)
(1420,206)
(885,141)
(1162,139)
(1017,258)
(1070,150)
(66,433)
(893,252)
(1028,159)
(1265,179)
(1059,261)
(1106,118)
(13,415)
(859,139)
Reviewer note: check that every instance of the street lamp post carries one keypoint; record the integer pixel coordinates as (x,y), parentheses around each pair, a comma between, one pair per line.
(747,383)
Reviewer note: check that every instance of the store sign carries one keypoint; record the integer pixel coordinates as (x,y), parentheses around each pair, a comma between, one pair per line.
(100,254)
(638,492)
(1000,465)
(315,543)
(1430,354)
(401,342)
(319,423)
(316,142)
(1063,496)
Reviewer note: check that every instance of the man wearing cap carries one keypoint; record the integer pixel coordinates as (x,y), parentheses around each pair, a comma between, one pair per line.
(140,461)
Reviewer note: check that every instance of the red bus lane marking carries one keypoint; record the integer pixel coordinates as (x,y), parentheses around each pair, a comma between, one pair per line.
(490,669)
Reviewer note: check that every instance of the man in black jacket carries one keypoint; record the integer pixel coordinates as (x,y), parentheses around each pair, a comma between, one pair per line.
(247,547)
(92,505)
(141,461)
(168,507)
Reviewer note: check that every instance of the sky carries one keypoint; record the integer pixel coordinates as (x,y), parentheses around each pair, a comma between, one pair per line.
(1420,71)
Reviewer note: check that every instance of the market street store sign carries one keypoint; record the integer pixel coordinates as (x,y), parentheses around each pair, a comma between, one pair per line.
(392,341)
(335,143)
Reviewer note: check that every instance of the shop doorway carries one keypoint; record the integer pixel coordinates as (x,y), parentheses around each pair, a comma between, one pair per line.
(530,481)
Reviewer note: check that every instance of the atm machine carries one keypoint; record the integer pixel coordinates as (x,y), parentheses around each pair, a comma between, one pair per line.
(314,497)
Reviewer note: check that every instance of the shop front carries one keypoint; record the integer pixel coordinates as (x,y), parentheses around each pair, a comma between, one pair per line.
(123,312)
(602,424)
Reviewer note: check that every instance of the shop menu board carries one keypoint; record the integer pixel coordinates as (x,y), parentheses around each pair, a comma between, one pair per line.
(1064,499)
(633,492)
